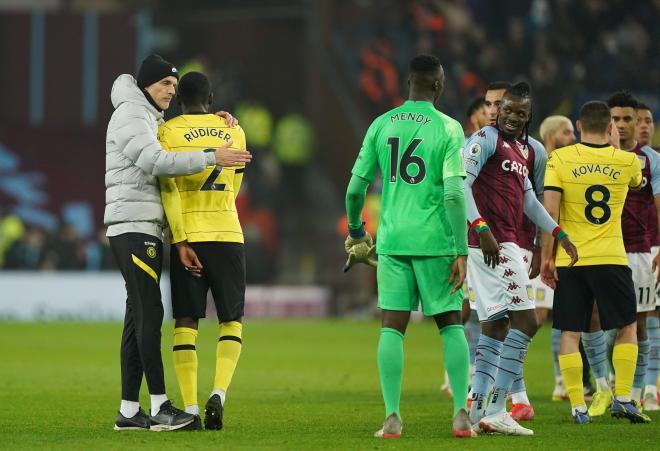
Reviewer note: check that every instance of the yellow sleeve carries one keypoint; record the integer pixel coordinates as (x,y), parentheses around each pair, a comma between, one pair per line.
(238,173)
(553,173)
(162,136)
(636,178)
(169,194)
(238,179)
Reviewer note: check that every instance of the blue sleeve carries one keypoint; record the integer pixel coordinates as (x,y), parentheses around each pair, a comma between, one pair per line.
(540,160)
(470,204)
(654,162)
(535,211)
(478,149)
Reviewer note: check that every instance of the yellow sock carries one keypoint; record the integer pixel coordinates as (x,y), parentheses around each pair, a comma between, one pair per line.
(624,360)
(571,370)
(185,363)
(227,353)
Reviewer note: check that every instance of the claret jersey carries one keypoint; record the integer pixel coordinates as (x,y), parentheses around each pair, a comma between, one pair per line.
(635,222)
(501,180)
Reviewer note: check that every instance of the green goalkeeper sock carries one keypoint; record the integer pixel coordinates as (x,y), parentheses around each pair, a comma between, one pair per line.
(390,368)
(457,363)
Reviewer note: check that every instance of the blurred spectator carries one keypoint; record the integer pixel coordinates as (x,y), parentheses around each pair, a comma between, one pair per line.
(261,245)
(11,229)
(27,253)
(65,250)
(476,116)
(257,122)
(562,47)
(293,144)
(379,79)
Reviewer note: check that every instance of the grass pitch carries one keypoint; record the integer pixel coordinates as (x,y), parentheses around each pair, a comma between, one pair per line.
(299,385)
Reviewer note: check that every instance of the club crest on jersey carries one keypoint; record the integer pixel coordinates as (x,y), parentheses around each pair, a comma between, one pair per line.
(642,159)
(524,151)
(151,252)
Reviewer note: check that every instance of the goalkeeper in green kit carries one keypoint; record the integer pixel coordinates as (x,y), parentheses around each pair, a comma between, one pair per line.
(422,236)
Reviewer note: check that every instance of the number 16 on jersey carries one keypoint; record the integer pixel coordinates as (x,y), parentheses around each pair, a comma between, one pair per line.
(407,160)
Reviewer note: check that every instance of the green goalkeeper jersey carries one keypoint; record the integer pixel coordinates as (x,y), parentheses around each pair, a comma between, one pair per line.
(416,148)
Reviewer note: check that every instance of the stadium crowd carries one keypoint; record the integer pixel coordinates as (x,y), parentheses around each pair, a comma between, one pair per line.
(559,47)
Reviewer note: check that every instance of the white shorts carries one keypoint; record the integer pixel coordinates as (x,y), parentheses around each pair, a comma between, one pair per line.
(502,289)
(540,293)
(643,279)
(469,292)
(654,252)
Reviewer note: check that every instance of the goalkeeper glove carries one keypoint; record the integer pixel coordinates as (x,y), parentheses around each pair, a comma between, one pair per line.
(360,248)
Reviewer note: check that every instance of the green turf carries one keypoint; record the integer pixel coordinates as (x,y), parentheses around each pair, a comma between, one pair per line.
(303,385)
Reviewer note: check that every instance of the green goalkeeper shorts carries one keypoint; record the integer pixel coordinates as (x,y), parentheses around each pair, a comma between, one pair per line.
(405,281)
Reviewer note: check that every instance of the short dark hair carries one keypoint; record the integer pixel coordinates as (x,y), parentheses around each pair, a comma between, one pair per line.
(497,85)
(422,64)
(643,106)
(474,105)
(622,99)
(595,116)
(194,88)
(521,89)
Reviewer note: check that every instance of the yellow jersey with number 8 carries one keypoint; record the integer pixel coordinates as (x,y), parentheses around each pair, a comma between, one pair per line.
(594,182)
(202,207)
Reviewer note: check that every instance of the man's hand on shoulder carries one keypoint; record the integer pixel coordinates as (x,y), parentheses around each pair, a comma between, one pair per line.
(231,120)
(231,156)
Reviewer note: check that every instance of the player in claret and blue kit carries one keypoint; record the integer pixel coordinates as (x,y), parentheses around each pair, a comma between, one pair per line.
(498,191)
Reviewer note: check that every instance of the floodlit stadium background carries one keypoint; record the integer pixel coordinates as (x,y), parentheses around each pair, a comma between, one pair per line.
(304,78)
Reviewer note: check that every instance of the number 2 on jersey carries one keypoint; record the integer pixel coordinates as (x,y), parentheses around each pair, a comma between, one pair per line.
(601,204)
(406,160)
(210,185)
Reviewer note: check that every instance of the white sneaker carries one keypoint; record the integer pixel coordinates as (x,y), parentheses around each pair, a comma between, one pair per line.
(392,427)
(559,393)
(502,423)
(650,402)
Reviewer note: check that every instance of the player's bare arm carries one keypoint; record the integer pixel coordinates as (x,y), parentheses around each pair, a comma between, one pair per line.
(551,202)
(458,272)
(535,267)
(656,258)
(490,248)
(189,259)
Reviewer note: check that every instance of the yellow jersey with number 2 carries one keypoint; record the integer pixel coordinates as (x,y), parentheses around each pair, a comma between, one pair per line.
(594,182)
(202,207)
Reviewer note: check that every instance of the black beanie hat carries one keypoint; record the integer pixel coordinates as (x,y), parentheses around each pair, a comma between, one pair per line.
(153,69)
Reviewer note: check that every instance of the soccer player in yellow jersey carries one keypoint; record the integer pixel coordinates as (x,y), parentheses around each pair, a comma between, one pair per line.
(207,236)
(585,188)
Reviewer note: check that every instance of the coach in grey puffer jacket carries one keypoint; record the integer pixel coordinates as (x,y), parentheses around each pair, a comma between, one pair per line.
(134,159)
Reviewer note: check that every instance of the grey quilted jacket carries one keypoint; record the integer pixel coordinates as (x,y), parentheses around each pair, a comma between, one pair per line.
(133,161)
